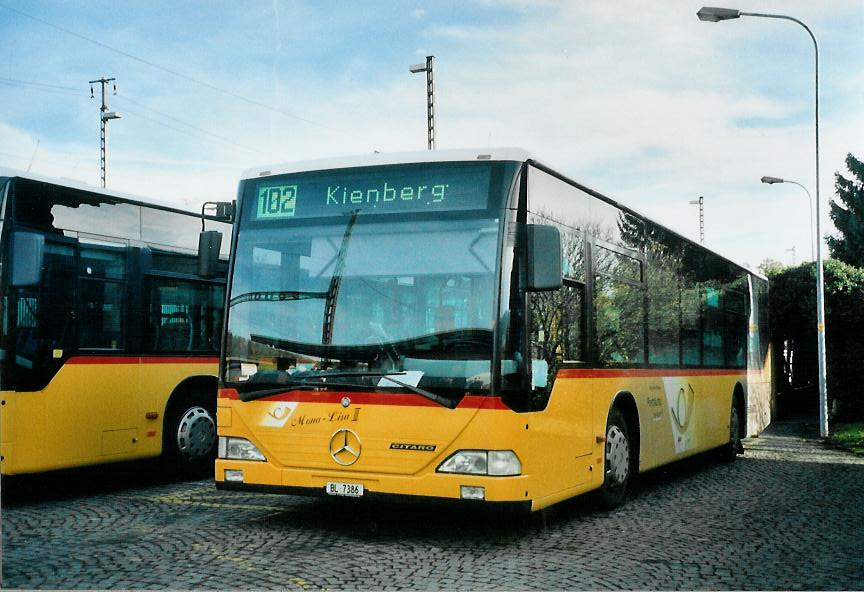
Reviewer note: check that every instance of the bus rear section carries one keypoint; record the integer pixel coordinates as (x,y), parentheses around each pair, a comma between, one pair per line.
(458,327)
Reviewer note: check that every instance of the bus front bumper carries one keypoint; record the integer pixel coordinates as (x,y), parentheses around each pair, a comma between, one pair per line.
(259,477)
(378,497)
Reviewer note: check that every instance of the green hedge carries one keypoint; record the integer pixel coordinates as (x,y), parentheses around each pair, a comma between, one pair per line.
(793,324)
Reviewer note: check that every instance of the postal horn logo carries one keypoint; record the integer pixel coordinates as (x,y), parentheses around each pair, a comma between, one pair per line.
(682,413)
(345,447)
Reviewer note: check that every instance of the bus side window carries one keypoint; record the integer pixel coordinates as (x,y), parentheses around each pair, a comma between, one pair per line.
(619,307)
(102,275)
(712,327)
(185,315)
(44,317)
(556,321)
(557,335)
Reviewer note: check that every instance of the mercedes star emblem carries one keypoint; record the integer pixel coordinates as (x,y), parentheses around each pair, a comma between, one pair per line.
(345,447)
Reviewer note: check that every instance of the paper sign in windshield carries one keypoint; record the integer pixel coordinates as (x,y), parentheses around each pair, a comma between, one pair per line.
(409,377)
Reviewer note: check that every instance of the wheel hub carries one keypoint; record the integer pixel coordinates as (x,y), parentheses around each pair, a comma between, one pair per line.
(196,434)
(617,455)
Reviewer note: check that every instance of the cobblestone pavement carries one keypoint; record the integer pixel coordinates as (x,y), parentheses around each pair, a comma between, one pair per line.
(787,515)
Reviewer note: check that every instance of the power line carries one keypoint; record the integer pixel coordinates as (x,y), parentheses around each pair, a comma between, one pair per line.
(41,84)
(76,164)
(49,88)
(169,70)
(180,130)
(70,91)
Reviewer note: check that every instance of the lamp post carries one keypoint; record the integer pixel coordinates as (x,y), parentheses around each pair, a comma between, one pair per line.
(713,14)
(772,180)
(701,203)
(428,67)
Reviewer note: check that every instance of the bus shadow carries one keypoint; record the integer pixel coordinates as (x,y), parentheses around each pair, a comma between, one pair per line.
(24,490)
(389,520)
(679,471)
(386,520)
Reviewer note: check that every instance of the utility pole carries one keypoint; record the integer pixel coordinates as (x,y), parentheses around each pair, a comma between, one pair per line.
(701,203)
(104,117)
(428,67)
(793,254)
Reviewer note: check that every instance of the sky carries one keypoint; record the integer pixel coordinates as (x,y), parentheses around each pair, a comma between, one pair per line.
(638,100)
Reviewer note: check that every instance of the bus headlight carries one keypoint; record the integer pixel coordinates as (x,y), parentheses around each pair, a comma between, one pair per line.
(496,463)
(239,449)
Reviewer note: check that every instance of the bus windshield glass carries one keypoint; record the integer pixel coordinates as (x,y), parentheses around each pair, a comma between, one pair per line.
(367,295)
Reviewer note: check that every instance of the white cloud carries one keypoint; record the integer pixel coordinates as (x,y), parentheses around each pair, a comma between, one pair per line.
(647,106)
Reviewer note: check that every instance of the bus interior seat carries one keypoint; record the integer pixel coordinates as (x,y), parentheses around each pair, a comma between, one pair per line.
(174,333)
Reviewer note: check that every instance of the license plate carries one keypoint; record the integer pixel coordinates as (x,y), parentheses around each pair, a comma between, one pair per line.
(344,489)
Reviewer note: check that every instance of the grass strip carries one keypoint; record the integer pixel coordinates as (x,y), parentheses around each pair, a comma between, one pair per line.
(850,437)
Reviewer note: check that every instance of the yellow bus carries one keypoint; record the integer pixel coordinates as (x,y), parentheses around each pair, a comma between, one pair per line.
(475,327)
(110,335)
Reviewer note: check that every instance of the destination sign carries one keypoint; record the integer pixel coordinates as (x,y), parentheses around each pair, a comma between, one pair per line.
(379,190)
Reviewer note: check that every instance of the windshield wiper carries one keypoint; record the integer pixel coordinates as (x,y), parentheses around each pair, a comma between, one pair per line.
(276,296)
(471,340)
(445,401)
(264,393)
(307,383)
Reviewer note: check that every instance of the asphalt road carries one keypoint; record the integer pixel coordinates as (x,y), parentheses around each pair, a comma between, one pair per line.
(786,515)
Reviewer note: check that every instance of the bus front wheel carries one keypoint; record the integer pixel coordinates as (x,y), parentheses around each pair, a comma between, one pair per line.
(190,437)
(618,461)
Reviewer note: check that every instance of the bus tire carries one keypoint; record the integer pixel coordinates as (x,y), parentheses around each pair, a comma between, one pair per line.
(189,442)
(733,447)
(617,461)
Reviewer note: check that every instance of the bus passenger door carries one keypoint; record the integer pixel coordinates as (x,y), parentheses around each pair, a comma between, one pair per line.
(563,400)
(44,333)
(97,409)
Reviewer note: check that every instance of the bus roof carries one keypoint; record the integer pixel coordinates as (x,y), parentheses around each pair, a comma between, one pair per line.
(82,186)
(470,154)
(384,158)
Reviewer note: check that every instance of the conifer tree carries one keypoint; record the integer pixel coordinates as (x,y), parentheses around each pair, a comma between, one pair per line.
(849,217)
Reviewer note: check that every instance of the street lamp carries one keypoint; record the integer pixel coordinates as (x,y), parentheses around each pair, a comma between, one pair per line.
(773,180)
(701,203)
(428,67)
(713,14)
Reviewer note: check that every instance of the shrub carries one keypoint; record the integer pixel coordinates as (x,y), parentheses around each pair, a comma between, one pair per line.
(793,324)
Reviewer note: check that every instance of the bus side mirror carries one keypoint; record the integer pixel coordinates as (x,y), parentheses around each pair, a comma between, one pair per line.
(544,258)
(222,211)
(28,254)
(209,243)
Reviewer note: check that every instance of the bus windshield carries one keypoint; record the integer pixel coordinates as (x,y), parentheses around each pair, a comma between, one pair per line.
(363,298)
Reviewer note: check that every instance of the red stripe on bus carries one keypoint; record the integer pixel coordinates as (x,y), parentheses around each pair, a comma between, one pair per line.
(141,360)
(645,372)
(359,398)
(180,360)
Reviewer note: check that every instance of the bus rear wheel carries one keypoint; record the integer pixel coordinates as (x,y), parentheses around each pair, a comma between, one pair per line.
(618,461)
(733,447)
(189,443)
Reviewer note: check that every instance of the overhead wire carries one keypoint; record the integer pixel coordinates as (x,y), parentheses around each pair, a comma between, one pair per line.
(41,84)
(122,98)
(171,71)
(50,88)
(188,125)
